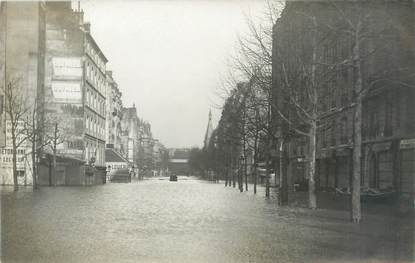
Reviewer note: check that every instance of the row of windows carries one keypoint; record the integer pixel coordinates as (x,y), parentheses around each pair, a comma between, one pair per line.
(94,55)
(95,126)
(332,131)
(389,115)
(96,102)
(95,77)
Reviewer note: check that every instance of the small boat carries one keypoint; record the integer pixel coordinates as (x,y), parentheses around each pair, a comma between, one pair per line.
(369,194)
(173,178)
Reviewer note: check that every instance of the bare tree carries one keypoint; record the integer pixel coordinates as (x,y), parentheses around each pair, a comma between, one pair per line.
(55,135)
(16,108)
(33,129)
(302,80)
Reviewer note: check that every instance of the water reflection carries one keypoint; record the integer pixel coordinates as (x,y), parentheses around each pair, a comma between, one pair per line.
(186,221)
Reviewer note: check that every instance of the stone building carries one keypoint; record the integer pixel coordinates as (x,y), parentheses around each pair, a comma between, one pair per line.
(388,130)
(147,143)
(130,135)
(209,131)
(22,52)
(75,89)
(113,114)
(179,161)
(160,157)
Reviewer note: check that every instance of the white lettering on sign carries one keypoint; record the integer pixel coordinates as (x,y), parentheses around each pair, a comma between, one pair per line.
(64,91)
(6,158)
(67,68)
(406,144)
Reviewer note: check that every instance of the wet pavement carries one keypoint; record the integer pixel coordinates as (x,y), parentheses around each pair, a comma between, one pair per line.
(188,221)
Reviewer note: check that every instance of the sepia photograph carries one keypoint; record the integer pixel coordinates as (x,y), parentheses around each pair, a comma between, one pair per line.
(198,131)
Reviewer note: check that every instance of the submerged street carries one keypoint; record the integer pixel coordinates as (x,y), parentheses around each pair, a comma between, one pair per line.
(187,221)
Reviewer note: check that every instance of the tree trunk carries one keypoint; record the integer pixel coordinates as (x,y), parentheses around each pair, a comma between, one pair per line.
(283,200)
(241,185)
(312,169)
(246,174)
(254,166)
(14,160)
(255,176)
(357,134)
(312,200)
(233,176)
(50,172)
(267,186)
(34,166)
(52,180)
(226,175)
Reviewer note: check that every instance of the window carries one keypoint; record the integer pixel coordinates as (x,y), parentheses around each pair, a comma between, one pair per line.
(388,130)
(87,97)
(333,133)
(344,99)
(373,115)
(343,131)
(410,121)
(324,137)
(333,89)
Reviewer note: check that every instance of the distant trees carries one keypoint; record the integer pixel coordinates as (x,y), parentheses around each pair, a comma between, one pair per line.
(197,160)
(296,69)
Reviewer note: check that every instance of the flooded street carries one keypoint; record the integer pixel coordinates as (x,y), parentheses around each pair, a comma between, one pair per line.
(188,221)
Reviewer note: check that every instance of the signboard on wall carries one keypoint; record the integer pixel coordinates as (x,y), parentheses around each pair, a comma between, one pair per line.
(65,91)
(66,79)
(6,156)
(2,126)
(407,144)
(68,68)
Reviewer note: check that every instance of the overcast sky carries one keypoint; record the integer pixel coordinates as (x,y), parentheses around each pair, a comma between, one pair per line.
(168,58)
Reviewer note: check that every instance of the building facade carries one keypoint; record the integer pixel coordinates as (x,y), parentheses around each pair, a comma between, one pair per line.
(75,88)
(130,135)
(22,42)
(388,117)
(114,114)
(179,161)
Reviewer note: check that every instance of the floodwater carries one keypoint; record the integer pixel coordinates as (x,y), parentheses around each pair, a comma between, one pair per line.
(187,221)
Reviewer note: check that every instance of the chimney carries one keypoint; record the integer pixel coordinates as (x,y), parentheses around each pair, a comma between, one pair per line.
(60,5)
(79,16)
(87,27)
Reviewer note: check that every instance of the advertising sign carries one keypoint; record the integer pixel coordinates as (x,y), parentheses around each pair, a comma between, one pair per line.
(6,156)
(2,126)
(67,92)
(67,68)
(407,144)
